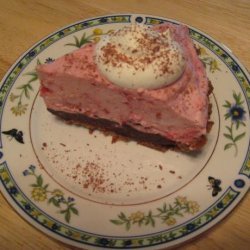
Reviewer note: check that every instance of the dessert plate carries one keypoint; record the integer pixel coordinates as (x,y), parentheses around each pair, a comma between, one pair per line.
(84,190)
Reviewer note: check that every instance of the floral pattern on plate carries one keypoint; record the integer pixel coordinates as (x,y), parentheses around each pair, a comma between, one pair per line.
(191,226)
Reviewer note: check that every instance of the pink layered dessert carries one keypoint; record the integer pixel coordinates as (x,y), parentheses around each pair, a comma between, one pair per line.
(174,114)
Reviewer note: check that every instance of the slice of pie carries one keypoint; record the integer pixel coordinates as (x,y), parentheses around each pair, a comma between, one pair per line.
(138,82)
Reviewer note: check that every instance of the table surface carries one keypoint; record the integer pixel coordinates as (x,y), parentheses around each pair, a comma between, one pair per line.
(24,22)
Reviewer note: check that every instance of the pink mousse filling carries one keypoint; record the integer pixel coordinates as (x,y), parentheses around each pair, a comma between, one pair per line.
(178,112)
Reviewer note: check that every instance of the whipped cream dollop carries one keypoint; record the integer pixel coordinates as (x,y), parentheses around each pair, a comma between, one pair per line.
(136,56)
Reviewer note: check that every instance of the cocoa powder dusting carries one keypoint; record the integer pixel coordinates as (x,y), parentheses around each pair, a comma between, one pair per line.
(112,54)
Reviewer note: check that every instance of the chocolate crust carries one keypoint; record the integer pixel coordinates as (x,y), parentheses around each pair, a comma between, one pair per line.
(126,132)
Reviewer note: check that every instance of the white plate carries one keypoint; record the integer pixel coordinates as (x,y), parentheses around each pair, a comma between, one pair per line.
(83,190)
